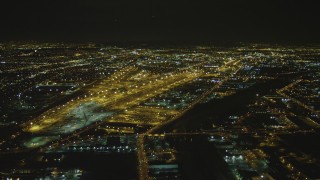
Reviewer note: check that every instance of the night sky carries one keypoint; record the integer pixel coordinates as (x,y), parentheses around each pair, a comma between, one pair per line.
(288,21)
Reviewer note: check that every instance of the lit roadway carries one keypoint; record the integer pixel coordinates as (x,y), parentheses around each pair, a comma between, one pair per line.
(122,93)
(143,159)
(121,102)
(305,119)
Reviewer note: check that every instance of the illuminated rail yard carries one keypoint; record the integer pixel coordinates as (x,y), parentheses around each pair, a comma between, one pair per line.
(238,109)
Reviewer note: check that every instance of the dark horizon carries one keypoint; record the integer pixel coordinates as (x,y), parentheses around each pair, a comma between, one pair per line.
(160,21)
